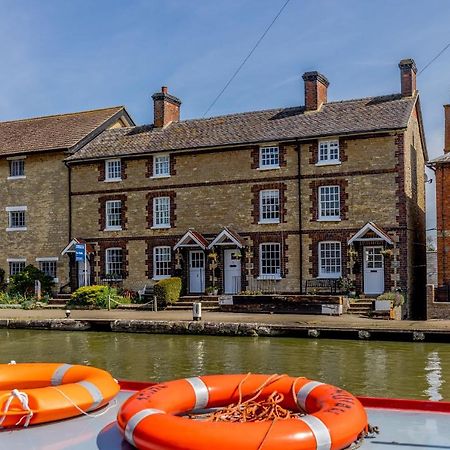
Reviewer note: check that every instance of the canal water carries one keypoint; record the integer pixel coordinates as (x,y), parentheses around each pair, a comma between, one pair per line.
(373,368)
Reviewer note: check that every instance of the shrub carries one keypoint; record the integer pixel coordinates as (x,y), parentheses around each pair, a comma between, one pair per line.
(168,291)
(396,298)
(23,282)
(8,299)
(97,297)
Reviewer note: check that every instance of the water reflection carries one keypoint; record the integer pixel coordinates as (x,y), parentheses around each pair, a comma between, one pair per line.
(434,376)
(384,369)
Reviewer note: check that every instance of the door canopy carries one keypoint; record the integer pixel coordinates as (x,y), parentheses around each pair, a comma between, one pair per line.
(370,232)
(227,237)
(192,239)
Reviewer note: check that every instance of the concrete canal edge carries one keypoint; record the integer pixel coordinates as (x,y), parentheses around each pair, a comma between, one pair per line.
(208,328)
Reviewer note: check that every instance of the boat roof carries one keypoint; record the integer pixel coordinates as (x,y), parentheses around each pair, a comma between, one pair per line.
(403,424)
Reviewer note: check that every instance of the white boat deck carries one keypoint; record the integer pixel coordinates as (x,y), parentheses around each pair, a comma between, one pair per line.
(399,430)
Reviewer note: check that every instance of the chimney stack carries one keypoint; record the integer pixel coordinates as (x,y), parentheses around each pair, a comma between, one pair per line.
(166,108)
(315,90)
(447,128)
(408,72)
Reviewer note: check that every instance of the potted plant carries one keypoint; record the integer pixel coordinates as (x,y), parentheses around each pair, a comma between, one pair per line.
(352,253)
(387,252)
(212,290)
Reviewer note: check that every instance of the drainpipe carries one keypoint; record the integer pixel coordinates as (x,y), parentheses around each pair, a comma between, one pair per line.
(300,215)
(69,180)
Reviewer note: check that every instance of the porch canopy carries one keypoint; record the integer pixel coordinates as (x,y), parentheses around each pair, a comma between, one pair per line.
(70,248)
(192,238)
(370,232)
(227,237)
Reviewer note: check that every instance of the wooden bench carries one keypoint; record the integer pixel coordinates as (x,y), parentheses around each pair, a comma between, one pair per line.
(322,285)
(147,295)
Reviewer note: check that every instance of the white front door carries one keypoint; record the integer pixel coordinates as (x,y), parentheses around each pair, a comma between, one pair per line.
(373,270)
(84,273)
(196,272)
(232,272)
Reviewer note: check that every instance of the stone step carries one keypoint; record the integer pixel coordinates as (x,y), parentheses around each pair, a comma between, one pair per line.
(63,295)
(58,301)
(176,307)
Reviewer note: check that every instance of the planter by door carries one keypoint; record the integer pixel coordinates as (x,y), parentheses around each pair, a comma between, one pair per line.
(373,270)
(84,273)
(196,272)
(232,272)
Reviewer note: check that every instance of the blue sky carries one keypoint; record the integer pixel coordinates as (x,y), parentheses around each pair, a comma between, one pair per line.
(62,56)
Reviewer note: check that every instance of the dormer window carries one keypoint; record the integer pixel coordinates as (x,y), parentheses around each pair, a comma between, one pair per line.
(113,170)
(269,157)
(161,166)
(328,152)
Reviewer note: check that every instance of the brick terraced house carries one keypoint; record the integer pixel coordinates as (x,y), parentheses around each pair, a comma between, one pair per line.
(279,197)
(441,165)
(34,181)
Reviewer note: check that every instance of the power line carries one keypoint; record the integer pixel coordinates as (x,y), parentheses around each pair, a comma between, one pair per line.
(434,59)
(246,58)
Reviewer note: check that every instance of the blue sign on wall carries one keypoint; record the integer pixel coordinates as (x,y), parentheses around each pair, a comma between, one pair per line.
(80,252)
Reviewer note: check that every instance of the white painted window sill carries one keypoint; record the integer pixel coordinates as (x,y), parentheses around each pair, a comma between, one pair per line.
(329,219)
(159,176)
(160,277)
(113,229)
(160,227)
(269,277)
(265,222)
(328,163)
(55,280)
(17,177)
(112,180)
(333,276)
(16,229)
(269,168)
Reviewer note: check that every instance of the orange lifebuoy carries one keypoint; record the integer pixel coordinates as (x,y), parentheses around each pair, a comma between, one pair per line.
(152,419)
(34,393)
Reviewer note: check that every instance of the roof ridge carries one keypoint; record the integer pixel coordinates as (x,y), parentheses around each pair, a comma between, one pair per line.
(285,108)
(63,114)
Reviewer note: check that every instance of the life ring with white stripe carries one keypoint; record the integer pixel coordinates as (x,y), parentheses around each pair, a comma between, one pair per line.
(32,393)
(152,419)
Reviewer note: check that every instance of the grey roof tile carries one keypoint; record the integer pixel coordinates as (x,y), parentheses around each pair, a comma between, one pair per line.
(335,118)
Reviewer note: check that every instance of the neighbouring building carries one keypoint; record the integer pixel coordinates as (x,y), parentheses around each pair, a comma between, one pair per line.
(260,200)
(441,166)
(34,182)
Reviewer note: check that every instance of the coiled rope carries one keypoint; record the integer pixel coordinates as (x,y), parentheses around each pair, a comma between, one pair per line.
(23,399)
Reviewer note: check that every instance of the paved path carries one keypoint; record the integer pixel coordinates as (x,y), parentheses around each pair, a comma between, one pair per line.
(333,322)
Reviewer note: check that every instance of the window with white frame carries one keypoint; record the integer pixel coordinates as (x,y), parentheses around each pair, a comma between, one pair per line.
(114,263)
(16,218)
(161,262)
(161,212)
(113,170)
(48,266)
(113,215)
(269,157)
(270,260)
(330,259)
(328,152)
(329,203)
(161,166)
(17,168)
(16,266)
(269,206)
